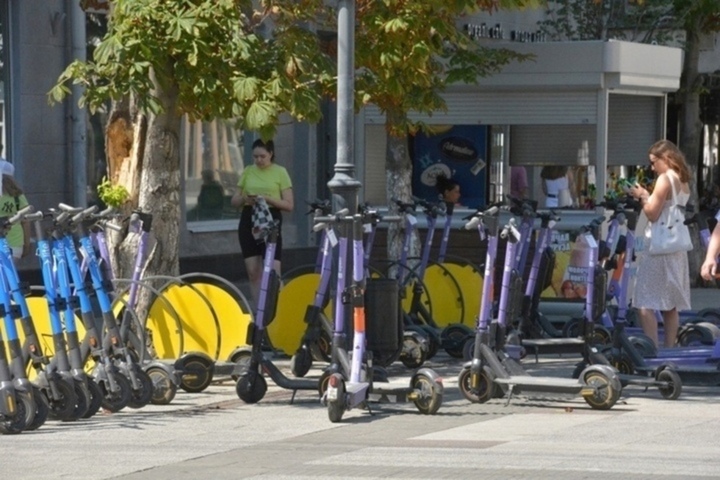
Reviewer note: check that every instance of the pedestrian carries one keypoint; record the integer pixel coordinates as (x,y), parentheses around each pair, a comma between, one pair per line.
(557,185)
(262,182)
(709,266)
(12,200)
(518,182)
(449,191)
(663,281)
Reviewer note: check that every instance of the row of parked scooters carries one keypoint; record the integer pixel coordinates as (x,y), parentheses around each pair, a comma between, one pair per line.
(85,373)
(103,356)
(509,322)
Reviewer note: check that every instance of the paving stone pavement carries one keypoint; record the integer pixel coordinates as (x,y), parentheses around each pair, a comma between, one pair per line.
(214,435)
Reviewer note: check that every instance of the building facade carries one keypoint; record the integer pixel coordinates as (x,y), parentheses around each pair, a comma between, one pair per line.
(58,150)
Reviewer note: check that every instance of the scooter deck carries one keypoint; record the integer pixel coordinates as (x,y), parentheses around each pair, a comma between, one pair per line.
(543,384)
(539,346)
(700,375)
(390,392)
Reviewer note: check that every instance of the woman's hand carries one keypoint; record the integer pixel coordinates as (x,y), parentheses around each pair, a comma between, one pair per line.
(708,269)
(638,192)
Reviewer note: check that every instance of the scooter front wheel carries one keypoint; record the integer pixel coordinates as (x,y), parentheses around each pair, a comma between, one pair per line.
(429,394)
(143,395)
(24,414)
(251,387)
(63,405)
(82,401)
(96,398)
(606,390)
(116,401)
(484,390)
(301,362)
(42,409)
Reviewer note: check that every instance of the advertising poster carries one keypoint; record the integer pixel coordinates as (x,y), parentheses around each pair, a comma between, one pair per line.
(458,152)
(569,279)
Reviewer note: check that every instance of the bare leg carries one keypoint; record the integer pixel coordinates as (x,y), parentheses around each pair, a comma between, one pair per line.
(276,267)
(671,320)
(253,265)
(649,324)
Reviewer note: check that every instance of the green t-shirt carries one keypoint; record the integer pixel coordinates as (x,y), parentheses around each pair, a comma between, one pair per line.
(8,208)
(269,182)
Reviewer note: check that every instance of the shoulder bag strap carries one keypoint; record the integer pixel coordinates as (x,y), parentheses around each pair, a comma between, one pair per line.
(672,184)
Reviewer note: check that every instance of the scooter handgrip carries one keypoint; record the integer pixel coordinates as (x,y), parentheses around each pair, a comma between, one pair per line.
(67,208)
(107,212)
(391,218)
(22,213)
(319,226)
(85,213)
(32,217)
(473,223)
(111,226)
(491,211)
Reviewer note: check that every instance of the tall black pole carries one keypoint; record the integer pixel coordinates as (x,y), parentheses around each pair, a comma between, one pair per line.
(344,186)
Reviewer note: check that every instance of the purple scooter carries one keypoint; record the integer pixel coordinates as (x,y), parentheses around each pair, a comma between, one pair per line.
(358,388)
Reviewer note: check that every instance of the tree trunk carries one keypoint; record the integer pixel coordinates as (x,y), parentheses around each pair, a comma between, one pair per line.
(690,133)
(144,156)
(398,169)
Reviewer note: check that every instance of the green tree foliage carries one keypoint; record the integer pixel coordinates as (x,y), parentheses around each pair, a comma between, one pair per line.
(640,20)
(215,53)
(408,52)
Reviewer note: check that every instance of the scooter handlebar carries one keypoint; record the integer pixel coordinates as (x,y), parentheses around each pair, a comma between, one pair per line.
(21,214)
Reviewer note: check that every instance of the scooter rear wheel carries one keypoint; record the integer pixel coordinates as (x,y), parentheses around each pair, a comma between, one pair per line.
(674,384)
(485,390)
(24,413)
(251,387)
(413,354)
(336,406)
(453,339)
(322,347)
(163,388)
(607,392)
(197,374)
(429,394)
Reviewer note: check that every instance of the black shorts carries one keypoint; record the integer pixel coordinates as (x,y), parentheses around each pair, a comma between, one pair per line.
(248,245)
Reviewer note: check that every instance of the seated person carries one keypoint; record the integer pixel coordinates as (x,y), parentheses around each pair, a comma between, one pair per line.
(211,199)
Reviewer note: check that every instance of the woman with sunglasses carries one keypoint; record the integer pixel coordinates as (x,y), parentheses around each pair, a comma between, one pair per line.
(663,281)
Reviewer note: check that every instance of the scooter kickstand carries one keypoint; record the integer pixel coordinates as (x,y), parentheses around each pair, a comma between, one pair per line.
(511,388)
(292,398)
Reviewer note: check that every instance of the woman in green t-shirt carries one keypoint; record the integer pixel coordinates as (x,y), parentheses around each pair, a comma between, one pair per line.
(264,179)
(11,201)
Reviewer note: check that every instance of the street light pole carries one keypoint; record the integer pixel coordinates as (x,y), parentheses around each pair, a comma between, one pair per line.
(344,186)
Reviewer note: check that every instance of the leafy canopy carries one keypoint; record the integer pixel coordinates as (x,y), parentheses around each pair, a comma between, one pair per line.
(407,52)
(214,54)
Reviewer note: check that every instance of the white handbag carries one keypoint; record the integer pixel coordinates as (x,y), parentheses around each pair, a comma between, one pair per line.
(669,234)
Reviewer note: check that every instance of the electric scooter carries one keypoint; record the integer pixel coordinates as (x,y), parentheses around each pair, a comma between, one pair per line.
(165,377)
(251,385)
(345,392)
(491,367)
